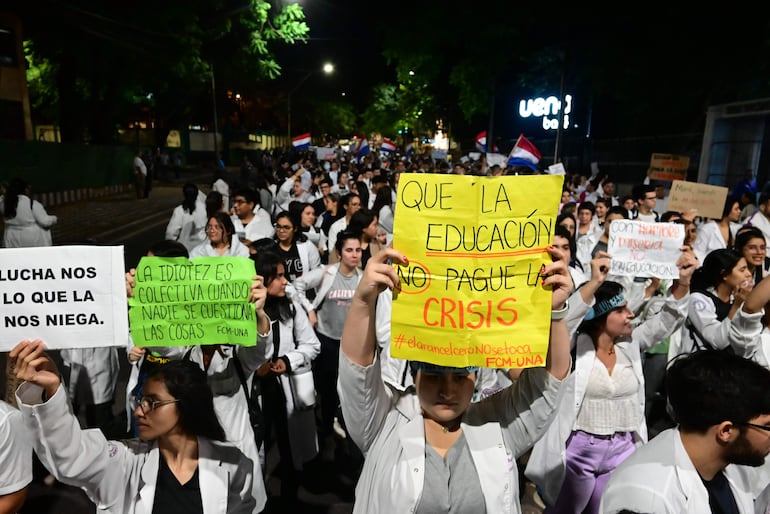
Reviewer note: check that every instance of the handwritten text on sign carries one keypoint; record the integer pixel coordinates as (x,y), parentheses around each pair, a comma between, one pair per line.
(68,296)
(177,302)
(471,293)
(640,249)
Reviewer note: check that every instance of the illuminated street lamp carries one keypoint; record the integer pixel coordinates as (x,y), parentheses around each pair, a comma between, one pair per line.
(328,69)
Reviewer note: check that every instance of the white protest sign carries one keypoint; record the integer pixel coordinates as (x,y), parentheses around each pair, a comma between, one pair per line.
(557,169)
(325,153)
(496,158)
(641,249)
(68,296)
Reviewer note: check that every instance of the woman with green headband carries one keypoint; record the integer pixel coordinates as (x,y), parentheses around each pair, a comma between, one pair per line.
(429,449)
(600,419)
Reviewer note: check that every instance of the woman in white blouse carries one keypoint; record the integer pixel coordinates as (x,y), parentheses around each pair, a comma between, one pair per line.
(600,419)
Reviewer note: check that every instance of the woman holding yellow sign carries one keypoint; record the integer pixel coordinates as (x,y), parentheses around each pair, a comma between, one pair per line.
(429,450)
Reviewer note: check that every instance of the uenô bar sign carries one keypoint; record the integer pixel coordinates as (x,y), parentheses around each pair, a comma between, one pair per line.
(472,294)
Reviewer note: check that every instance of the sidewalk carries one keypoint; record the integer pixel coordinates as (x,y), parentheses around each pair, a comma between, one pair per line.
(106,219)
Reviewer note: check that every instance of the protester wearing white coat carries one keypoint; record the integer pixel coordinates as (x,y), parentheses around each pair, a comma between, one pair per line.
(547,465)
(396,432)
(126,477)
(27,224)
(665,481)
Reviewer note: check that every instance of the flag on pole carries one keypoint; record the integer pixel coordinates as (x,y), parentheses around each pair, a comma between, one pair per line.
(301,142)
(524,153)
(387,145)
(408,151)
(481,142)
(363,149)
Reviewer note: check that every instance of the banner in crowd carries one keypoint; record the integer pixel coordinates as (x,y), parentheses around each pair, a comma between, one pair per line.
(178,302)
(68,296)
(665,166)
(708,200)
(641,249)
(471,294)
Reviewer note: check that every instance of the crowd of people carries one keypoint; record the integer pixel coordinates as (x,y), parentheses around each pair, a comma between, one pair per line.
(654,397)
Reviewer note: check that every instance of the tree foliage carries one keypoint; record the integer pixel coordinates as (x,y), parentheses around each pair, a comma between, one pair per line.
(112,61)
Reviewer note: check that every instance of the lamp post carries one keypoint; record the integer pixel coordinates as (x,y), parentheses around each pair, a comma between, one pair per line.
(328,69)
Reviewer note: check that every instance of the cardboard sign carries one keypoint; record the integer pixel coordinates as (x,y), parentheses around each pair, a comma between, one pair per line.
(669,167)
(707,199)
(178,302)
(471,294)
(68,296)
(641,249)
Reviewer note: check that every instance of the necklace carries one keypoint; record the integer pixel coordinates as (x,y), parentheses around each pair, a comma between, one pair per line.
(611,351)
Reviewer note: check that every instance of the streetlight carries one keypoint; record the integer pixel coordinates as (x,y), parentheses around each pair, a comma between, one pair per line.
(328,69)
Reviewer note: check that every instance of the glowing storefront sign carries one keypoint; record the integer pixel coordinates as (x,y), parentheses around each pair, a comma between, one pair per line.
(545,107)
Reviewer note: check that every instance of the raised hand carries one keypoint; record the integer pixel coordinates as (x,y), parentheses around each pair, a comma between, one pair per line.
(33,365)
(556,275)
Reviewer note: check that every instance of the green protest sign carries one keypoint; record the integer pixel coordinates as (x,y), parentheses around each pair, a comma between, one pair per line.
(178,302)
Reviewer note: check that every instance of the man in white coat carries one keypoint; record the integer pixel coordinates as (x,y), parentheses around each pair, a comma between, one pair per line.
(714,460)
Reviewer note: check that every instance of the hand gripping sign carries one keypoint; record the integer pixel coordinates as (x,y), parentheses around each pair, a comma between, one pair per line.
(471,293)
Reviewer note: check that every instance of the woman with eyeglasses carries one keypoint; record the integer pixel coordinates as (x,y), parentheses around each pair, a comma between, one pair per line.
(298,253)
(221,241)
(295,346)
(181,464)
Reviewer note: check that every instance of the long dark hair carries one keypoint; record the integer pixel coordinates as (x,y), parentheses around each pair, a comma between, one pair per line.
(15,188)
(298,236)
(607,290)
(266,264)
(717,264)
(190,194)
(383,197)
(187,382)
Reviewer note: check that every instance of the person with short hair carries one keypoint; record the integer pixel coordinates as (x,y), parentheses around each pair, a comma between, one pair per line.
(714,460)
(250,220)
(645,198)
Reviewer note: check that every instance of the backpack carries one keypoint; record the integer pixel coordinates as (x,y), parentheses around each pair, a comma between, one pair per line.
(722,310)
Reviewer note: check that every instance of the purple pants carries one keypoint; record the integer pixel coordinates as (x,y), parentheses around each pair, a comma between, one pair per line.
(590,460)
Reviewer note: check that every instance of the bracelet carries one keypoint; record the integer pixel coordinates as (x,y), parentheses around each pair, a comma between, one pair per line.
(556,315)
(683,285)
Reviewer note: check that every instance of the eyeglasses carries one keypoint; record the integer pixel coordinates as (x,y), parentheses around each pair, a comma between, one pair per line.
(239,201)
(761,427)
(282,227)
(210,228)
(147,404)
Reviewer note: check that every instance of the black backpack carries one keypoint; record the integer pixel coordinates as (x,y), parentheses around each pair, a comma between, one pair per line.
(722,310)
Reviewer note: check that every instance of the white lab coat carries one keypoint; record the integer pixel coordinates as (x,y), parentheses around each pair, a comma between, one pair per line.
(93,374)
(189,228)
(710,238)
(30,227)
(660,478)
(229,397)
(236,249)
(120,477)
(300,345)
(388,427)
(547,464)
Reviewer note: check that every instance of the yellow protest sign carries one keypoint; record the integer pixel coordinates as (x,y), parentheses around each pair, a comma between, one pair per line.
(665,166)
(471,294)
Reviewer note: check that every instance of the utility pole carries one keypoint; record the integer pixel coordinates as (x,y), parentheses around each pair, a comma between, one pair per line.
(216,125)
